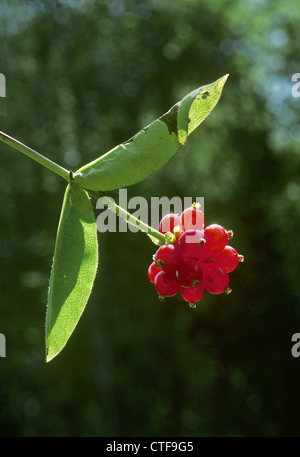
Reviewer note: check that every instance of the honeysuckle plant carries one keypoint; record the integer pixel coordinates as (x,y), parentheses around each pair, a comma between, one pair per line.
(75,259)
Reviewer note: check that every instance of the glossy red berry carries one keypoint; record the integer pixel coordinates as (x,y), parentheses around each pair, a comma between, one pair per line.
(189,274)
(192,218)
(215,280)
(192,294)
(168,223)
(153,270)
(216,237)
(191,243)
(168,257)
(227,259)
(166,285)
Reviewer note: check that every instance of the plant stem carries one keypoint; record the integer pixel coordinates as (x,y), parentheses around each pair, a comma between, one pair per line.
(35,156)
(130,219)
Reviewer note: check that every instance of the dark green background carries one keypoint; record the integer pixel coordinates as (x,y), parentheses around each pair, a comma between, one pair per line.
(82,77)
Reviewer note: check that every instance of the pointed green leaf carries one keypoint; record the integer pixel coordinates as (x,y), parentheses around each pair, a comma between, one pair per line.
(196,106)
(152,147)
(73,270)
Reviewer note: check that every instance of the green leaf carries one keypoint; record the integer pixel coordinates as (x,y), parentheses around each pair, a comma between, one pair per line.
(73,270)
(196,106)
(152,147)
(132,161)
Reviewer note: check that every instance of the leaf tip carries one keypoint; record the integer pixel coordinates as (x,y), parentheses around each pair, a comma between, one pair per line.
(49,356)
(223,79)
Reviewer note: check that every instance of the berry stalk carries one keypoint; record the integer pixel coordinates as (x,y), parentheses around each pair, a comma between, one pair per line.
(130,219)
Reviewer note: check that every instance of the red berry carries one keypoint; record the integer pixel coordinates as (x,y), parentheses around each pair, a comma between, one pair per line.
(166,285)
(153,270)
(189,274)
(168,257)
(192,218)
(215,280)
(216,237)
(192,294)
(191,243)
(168,222)
(227,259)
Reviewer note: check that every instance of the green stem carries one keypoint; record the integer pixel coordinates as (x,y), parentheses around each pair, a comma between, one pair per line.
(130,219)
(35,156)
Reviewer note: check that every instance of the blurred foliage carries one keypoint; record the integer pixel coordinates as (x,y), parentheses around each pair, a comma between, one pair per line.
(83,76)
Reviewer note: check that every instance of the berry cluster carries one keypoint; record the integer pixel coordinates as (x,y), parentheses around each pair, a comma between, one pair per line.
(194,259)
